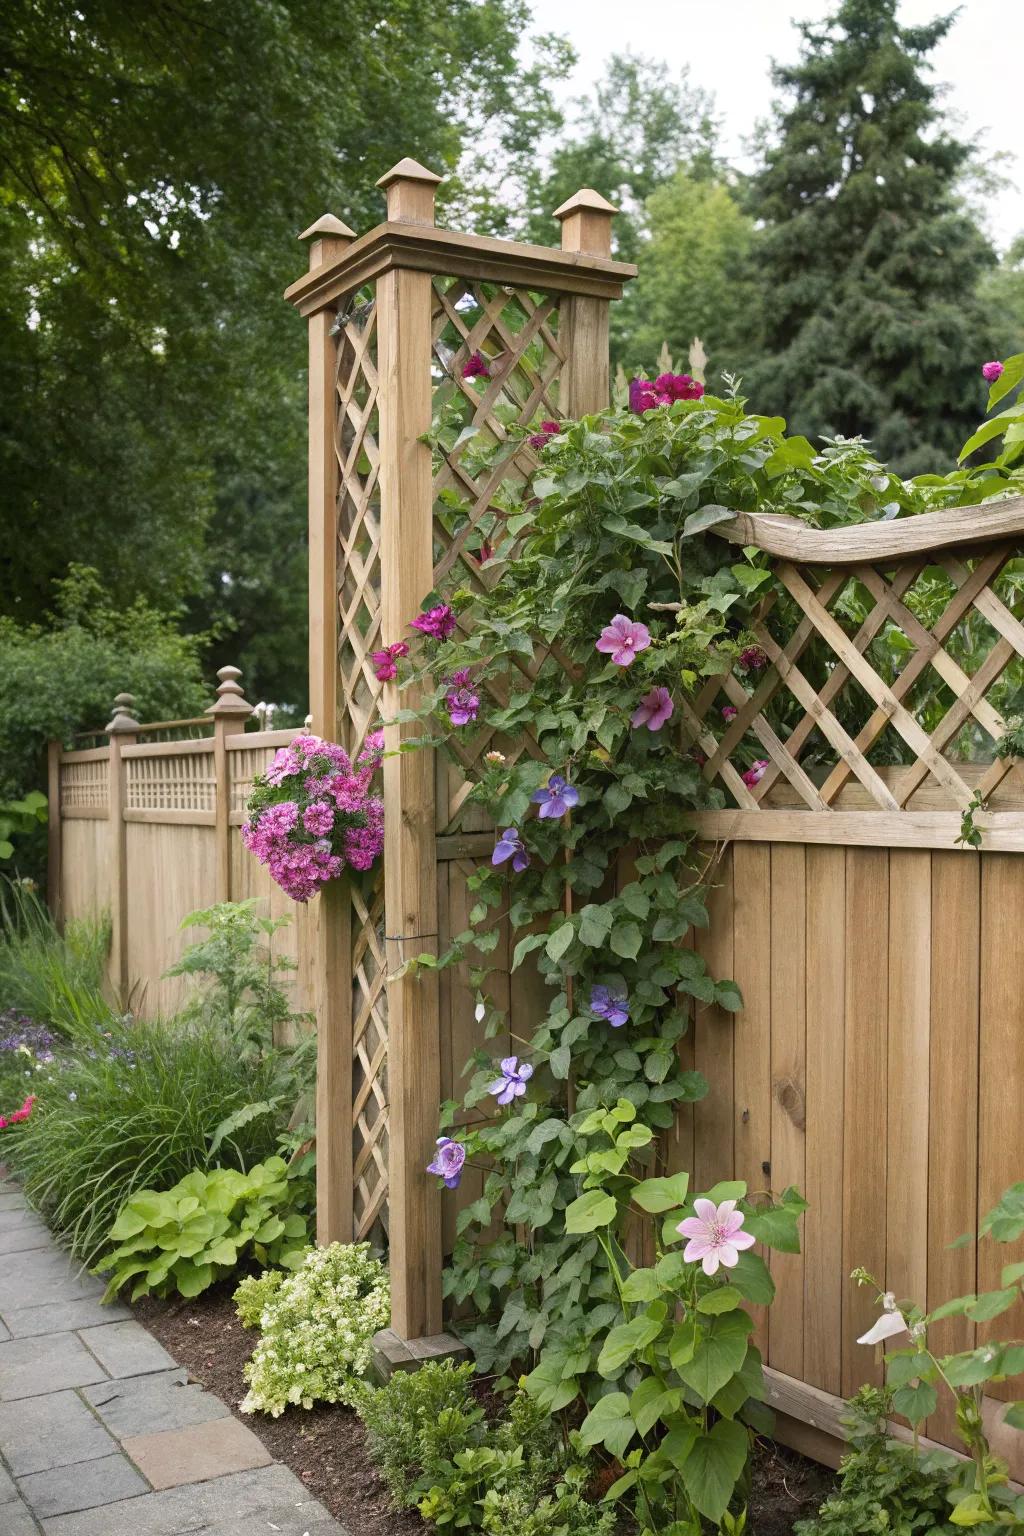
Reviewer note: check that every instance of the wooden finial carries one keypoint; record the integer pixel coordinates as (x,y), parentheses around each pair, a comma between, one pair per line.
(586,219)
(230,699)
(410,189)
(329,238)
(123,719)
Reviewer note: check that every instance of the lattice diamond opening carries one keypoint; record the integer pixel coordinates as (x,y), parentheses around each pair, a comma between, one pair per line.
(880,679)
(369,1060)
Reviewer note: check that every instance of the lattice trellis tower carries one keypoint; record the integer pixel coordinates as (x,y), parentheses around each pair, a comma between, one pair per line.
(393,316)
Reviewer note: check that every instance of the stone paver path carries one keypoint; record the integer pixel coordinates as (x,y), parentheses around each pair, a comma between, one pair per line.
(101,1433)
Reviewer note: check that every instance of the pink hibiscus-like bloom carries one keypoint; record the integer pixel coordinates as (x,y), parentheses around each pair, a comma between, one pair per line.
(755,773)
(438,622)
(622,639)
(653,710)
(729,712)
(475,367)
(753,659)
(716,1235)
(991,371)
(547,430)
(385,662)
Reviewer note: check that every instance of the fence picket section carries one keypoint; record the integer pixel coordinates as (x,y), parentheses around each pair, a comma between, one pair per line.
(788,990)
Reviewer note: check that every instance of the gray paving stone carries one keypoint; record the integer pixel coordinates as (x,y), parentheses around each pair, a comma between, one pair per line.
(8,1492)
(16,1519)
(19,1216)
(23,1239)
(126,1349)
(249,1503)
(62,1317)
(46,1275)
(57,1430)
(5,1333)
(12,1199)
(146,1405)
(32,1367)
(89,1485)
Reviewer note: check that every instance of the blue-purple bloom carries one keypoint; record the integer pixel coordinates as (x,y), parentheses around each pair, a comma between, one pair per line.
(555,798)
(512,1082)
(613,1006)
(448,1161)
(510,846)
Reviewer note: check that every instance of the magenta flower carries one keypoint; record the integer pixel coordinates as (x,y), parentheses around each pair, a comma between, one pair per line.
(753,659)
(548,429)
(475,367)
(622,639)
(512,1082)
(729,712)
(510,846)
(716,1235)
(448,1161)
(318,818)
(653,710)
(555,798)
(613,1006)
(991,371)
(438,623)
(462,703)
(647,394)
(755,773)
(385,662)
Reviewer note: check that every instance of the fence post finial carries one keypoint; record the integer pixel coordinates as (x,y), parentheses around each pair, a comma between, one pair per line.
(410,190)
(123,720)
(586,220)
(230,699)
(329,238)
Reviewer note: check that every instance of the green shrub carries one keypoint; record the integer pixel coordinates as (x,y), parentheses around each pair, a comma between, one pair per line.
(436,1450)
(316,1331)
(139,1109)
(55,978)
(254,1293)
(185,1238)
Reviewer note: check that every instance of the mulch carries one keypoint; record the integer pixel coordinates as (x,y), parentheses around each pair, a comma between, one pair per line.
(325,1447)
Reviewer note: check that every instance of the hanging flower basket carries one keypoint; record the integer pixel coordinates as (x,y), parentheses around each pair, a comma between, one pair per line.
(313,815)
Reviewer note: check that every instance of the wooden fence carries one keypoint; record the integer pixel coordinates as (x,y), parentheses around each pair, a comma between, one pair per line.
(145,828)
(878,1058)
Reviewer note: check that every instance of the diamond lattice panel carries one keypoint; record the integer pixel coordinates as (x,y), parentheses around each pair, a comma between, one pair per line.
(887,678)
(369,1061)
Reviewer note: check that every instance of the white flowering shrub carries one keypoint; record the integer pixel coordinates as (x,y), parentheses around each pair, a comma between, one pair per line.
(253,1294)
(316,1330)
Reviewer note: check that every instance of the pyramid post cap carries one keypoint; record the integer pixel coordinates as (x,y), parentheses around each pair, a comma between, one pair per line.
(586,200)
(327,224)
(409,170)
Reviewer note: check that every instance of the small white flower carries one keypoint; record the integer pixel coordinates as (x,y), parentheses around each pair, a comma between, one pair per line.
(889,1301)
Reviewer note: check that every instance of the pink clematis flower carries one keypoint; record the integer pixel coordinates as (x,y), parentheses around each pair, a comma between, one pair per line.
(755,773)
(653,710)
(715,1235)
(729,712)
(622,639)
(991,371)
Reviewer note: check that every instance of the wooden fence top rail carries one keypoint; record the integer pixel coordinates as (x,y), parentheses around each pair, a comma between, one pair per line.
(425,248)
(169,748)
(246,740)
(860,543)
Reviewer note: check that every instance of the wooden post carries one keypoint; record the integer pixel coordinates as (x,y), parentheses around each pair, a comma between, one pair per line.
(583,321)
(229,710)
(404,300)
(122,731)
(54,833)
(330,927)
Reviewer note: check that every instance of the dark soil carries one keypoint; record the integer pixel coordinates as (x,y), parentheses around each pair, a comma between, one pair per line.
(325,1446)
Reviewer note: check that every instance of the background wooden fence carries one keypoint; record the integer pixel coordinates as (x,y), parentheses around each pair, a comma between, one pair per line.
(146,829)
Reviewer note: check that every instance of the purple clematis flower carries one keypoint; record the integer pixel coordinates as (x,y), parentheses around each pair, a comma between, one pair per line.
(510,846)
(512,1082)
(555,798)
(613,1006)
(622,639)
(462,703)
(653,710)
(438,622)
(448,1161)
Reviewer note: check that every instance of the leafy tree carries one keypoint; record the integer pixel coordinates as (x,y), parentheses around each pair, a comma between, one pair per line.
(696,277)
(156,163)
(871,262)
(1002,292)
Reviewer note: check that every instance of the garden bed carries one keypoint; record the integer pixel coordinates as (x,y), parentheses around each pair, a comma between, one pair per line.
(325,1446)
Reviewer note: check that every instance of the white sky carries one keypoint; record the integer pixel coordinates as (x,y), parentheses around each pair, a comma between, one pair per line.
(728,45)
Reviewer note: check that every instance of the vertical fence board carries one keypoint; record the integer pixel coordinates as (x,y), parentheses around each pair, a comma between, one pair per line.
(953,1092)
(864,1120)
(823,1178)
(713,1039)
(910,919)
(789,1089)
(752,918)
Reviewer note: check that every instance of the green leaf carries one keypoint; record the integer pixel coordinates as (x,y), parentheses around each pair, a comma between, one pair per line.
(718,1355)
(713,1467)
(706,517)
(626,940)
(915,1402)
(970,1511)
(192,1278)
(666,1194)
(549,1387)
(592,1210)
(641,1285)
(1014,1416)
(243,1116)
(776,1226)
(992,1304)
(610,1424)
(560,940)
(652,1401)
(626,1341)
(595,925)
(1013,372)
(724,1298)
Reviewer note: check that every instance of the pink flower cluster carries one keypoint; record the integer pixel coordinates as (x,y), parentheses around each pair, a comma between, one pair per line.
(547,430)
(438,622)
(385,662)
(18,1115)
(646,394)
(328,820)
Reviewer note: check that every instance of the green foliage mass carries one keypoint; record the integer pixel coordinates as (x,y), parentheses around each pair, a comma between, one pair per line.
(184,1238)
(254,1293)
(871,260)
